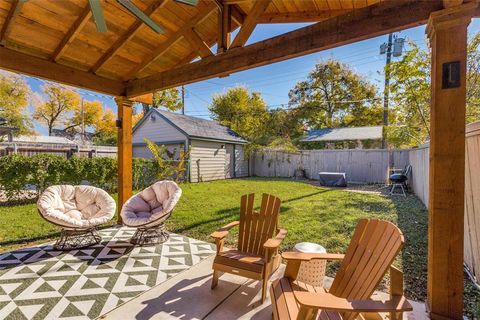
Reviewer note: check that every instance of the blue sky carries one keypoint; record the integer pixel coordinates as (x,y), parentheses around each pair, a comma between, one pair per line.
(274,81)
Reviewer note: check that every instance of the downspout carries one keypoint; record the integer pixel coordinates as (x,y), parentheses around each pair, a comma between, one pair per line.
(186,146)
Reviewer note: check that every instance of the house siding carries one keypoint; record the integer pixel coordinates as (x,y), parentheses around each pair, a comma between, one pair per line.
(157,131)
(144,152)
(207,161)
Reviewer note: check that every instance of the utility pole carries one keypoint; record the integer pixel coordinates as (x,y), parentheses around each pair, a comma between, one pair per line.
(386,89)
(83,120)
(183,99)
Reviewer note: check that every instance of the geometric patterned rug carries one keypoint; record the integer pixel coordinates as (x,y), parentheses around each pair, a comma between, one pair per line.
(43,283)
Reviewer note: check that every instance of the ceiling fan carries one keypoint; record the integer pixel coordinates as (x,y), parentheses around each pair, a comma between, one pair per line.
(96,8)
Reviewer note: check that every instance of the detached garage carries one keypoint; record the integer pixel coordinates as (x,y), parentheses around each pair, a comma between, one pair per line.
(216,151)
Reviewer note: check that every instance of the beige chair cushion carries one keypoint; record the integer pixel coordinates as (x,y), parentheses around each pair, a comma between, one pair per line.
(151,206)
(76,206)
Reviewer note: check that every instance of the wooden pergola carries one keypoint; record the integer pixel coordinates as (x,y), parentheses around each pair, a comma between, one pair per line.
(60,41)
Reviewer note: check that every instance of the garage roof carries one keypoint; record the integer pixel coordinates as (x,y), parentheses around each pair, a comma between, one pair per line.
(340,134)
(196,127)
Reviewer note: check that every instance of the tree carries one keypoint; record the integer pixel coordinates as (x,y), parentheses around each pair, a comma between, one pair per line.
(473,79)
(53,109)
(169,99)
(106,130)
(244,112)
(86,114)
(409,97)
(283,125)
(333,96)
(14,101)
(410,94)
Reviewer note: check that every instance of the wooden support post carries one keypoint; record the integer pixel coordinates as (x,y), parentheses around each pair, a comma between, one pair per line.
(447,31)
(124,152)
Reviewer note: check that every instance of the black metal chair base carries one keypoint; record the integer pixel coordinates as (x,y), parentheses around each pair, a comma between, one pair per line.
(71,239)
(150,236)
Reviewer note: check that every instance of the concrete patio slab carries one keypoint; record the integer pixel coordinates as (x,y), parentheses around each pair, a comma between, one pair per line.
(188,296)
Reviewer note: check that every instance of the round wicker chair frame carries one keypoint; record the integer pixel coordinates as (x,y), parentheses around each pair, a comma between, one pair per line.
(74,238)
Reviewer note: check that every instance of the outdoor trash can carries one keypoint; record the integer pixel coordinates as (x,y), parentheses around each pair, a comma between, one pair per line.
(311,272)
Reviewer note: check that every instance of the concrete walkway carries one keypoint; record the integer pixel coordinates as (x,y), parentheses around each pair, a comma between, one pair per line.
(188,296)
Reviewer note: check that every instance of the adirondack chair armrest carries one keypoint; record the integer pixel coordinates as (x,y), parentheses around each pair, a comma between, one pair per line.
(299,256)
(327,301)
(223,231)
(274,243)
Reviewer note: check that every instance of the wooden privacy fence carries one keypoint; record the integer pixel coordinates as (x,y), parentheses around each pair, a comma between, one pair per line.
(371,166)
(31,148)
(363,166)
(472,199)
(419,159)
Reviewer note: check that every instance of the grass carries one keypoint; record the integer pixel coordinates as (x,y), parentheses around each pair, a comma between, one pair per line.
(309,213)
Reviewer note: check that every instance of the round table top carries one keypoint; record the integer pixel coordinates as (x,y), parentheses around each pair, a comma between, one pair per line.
(309,247)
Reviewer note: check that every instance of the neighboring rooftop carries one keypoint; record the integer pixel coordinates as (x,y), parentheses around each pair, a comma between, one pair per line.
(43,139)
(341,134)
(199,128)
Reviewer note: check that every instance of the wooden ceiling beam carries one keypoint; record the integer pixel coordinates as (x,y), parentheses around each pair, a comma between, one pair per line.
(127,36)
(224,27)
(23,63)
(72,33)
(452,3)
(196,41)
(11,15)
(174,38)
(238,16)
(250,23)
(360,24)
(295,17)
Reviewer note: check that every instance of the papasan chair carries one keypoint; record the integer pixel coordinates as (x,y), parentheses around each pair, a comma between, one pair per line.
(78,210)
(149,209)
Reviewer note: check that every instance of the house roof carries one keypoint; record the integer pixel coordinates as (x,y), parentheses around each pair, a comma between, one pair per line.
(43,139)
(340,134)
(198,128)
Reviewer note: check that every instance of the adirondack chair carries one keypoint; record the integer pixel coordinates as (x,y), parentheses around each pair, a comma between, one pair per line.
(374,246)
(256,256)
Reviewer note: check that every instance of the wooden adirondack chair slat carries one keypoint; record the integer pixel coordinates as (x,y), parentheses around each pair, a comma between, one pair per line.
(355,252)
(251,259)
(371,252)
(367,264)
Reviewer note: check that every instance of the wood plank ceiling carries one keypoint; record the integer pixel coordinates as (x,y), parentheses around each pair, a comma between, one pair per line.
(64,33)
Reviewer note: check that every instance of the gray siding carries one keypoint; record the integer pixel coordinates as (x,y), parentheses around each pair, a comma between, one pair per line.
(241,162)
(156,131)
(143,152)
(207,161)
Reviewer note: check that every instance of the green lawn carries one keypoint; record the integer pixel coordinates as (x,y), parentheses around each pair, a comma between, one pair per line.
(309,213)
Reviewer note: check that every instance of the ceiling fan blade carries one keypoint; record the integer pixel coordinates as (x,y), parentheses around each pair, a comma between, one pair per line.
(97,13)
(188,2)
(140,15)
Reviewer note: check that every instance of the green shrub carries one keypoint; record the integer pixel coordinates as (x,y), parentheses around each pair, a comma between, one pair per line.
(19,173)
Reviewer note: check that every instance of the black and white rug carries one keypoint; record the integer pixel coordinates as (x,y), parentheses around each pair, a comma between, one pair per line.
(42,283)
